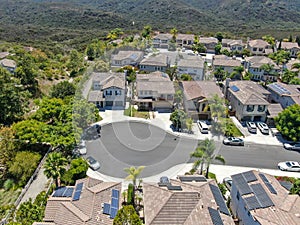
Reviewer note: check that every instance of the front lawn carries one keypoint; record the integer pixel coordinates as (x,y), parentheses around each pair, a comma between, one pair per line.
(131,111)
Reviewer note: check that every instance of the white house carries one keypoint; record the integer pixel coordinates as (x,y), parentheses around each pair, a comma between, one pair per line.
(108,90)
(194,66)
(292,47)
(124,58)
(259,47)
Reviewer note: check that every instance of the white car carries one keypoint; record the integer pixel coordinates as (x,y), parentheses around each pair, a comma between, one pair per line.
(93,163)
(251,127)
(82,147)
(289,166)
(264,129)
(292,146)
(233,141)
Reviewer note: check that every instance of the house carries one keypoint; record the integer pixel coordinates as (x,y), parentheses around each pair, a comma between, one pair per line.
(161,40)
(8,64)
(273,111)
(108,90)
(259,199)
(90,201)
(285,94)
(292,47)
(196,95)
(209,43)
(194,66)
(154,63)
(247,99)
(187,200)
(226,63)
(154,91)
(185,40)
(259,47)
(254,65)
(124,58)
(232,45)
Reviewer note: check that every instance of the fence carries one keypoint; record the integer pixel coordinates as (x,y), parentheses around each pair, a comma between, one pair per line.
(25,189)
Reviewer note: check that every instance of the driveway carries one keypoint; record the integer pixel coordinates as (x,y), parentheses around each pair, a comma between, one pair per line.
(135,143)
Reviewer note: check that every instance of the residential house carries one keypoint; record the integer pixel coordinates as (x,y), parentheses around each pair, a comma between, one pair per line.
(247,99)
(259,47)
(154,63)
(232,45)
(273,111)
(285,94)
(196,95)
(259,199)
(254,65)
(154,91)
(8,64)
(90,201)
(289,66)
(209,43)
(187,200)
(108,90)
(194,66)
(185,40)
(161,40)
(124,58)
(292,47)
(226,63)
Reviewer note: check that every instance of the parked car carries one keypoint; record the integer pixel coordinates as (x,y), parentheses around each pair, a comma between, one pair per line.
(264,129)
(289,166)
(228,183)
(202,127)
(233,141)
(292,146)
(251,127)
(93,163)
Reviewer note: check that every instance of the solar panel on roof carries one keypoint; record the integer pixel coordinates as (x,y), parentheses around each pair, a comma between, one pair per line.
(59,192)
(286,184)
(76,195)
(252,203)
(192,178)
(249,176)
(115,203)
(174,188)
(268,184)
(261,195)
(106,208)
(219,199)
(113,213)
(215,216)
(115,193)
(241,184)
(234,88)
(79,187)
(68,192)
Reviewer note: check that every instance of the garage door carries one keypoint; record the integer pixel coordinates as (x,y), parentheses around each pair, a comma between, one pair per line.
(109,103)
(118,103)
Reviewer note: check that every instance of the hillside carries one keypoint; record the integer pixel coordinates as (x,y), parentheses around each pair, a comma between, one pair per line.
(79,20)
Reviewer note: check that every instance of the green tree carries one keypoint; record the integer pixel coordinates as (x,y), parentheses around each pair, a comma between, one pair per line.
(186,77)
(219,36)
(218,48)
(288,76)
(78,169)
(207,146)
(178,97)
(54,167)
(199,155)
(146,32)
(237,72)
(178,118)
(127,215)
(288,122)
(296,187)
(174,33)
(298,40)
(189,124)
(172,72)
(130,194)
(133,173)
(13,99)
(24,165)
(219,73)
(114,34)
(63,89)
(267,68)
(75,62)
(280,57)
(8,145)
(269,39)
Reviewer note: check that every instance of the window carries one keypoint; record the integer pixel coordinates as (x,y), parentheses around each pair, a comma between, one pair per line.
(108,92)
(261,108)
(118,92)
(238,196)
(254,49)
(250,108)
(260,49)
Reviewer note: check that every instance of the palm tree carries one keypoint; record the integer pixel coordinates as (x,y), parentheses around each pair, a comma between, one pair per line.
(55,166)
(199,154)
(133,173)
(205,153)
(287,76)
(189,124)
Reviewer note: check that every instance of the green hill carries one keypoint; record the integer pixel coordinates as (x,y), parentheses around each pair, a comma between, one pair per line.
(80,20)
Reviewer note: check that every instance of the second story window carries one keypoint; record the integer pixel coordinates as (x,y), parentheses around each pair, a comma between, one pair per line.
(250,108)
(118,92)
(108,92)
(261,108)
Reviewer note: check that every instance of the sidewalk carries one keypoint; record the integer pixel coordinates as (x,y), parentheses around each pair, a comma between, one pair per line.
(221,171)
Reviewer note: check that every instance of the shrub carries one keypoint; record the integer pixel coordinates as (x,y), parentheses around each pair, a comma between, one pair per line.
(130,196)
(8,184)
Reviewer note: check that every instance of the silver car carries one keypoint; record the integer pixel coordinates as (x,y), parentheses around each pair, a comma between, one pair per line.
(233,141)
(292,146)
(93,163)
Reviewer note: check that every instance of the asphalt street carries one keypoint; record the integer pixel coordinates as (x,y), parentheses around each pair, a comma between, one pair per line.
(130,143)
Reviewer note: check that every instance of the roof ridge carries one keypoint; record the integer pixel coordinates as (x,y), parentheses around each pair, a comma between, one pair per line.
(69,206)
